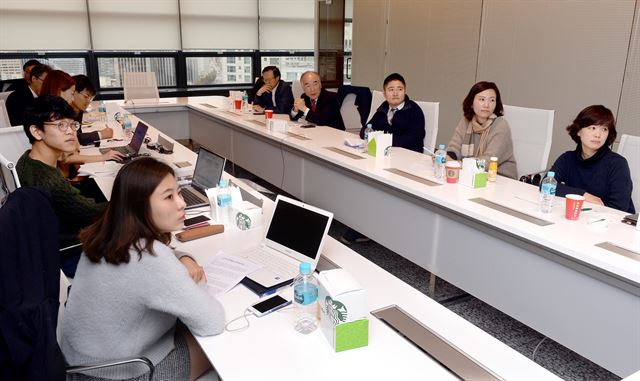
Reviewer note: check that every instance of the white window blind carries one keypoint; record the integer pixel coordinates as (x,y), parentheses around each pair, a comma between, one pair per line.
(219,24)
(43,25)
(287,24)
(135,24)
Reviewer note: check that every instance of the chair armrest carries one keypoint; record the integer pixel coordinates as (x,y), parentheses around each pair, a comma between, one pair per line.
(72,369)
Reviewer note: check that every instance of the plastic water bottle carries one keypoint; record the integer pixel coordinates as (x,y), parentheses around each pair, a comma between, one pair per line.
(245,101)
(367,131)
(305,300)
(224,201)
(102,108)
(548,192)
(126,127)
(439,163)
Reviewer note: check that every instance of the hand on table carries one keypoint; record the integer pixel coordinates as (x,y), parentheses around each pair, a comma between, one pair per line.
(106,133)
(258,108)
(592,199)
(112,155)
(196,272)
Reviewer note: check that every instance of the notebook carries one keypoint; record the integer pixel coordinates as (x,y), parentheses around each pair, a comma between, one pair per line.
(133,147)
(209,168)
(295,234)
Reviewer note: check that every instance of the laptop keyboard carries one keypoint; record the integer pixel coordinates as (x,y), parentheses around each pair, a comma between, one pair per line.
(190,198)
(271,261)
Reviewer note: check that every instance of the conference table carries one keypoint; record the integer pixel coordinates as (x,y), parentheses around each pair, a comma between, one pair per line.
(574,281)
(270,349)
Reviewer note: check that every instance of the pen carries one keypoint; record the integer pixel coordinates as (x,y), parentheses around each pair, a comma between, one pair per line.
(586,209)
(600,220)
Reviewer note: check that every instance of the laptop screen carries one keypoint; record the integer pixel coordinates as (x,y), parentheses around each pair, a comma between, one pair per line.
(138,137)
(209,168)
(297,227)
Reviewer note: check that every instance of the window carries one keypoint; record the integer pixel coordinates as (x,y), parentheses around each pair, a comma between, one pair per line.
(203,71)
(12,68)
(291,67)
(111,69)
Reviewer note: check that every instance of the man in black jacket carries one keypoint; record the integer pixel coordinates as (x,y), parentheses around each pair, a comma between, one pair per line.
(272,93)
(317,105)
(22,97)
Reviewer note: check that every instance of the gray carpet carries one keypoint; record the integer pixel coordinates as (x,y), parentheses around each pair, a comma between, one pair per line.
(563,362)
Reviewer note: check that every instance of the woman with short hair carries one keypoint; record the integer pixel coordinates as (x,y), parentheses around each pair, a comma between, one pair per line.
(131,287)
(483,132)
(592,169)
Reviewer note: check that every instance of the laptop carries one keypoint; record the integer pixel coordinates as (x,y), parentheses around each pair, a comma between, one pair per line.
(133,147)
(209,168)
(295,234)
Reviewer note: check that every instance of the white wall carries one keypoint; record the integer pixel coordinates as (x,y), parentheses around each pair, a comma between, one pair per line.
(554,54)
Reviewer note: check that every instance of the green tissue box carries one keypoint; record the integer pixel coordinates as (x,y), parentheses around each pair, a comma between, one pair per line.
(343,310)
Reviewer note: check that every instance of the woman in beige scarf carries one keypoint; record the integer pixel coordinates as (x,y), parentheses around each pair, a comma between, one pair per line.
(483,132)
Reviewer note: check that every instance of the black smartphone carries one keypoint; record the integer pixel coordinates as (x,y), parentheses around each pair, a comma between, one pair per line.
(195,220)
(307,126)
(269,305)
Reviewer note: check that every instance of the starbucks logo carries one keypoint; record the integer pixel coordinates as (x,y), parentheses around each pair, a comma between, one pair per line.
(243,222)
(336,310)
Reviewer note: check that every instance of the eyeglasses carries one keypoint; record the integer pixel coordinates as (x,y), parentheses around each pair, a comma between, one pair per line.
(63,126)
(87,96)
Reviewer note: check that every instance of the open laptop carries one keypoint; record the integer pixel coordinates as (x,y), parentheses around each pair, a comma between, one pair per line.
(209,168)
(295,234)
(133,147)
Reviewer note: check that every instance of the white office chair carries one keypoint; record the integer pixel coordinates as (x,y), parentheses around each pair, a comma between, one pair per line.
(630,148)
(13,143)
(4,95)
(377,97)
(296,88)
(4,115)
(141,86)
(350,115)
(431,111)
(531,131)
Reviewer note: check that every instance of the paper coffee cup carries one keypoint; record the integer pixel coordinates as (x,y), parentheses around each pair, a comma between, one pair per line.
(573,206)
(268,114)
(453,171)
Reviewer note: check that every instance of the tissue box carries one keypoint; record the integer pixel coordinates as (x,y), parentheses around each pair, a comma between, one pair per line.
(246,216)
(379,143)
(277,125)
(471,175)
(343,310)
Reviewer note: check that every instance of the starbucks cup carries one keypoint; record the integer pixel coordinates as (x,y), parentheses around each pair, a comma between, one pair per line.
(453,171)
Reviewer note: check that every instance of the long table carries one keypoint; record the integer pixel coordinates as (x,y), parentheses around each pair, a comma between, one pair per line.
(271,350)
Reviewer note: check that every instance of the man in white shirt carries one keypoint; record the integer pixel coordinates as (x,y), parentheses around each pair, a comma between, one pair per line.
(272,93)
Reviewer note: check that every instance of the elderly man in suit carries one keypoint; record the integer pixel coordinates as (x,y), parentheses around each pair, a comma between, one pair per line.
(317,105)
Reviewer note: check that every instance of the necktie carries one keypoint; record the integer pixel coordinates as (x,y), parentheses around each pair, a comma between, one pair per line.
(313,105)
(390,115)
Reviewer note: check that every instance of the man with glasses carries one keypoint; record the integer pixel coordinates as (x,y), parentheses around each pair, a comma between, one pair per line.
(272,93)
(51,130)
(317,105)
(85,92)
(22,97)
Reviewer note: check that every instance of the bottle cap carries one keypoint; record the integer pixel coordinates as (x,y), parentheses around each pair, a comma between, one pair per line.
(369,125)
(494,158)
(305,268)
(440,146)
(223,183)
(551,174)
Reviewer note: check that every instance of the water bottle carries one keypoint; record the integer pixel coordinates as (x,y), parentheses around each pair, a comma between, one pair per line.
(224,202)
(548,192)
(102,108)
(439,163)
(305,300)
(245,101)
(126,127)
(367,131)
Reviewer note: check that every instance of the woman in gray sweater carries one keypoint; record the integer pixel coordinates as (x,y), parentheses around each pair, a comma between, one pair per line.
(483,131)
(131,287)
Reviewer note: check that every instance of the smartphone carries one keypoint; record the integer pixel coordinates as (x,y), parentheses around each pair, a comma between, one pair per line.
(307,126)
(195,220)
(269,305)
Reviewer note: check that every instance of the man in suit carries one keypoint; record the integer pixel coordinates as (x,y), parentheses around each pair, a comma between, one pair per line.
(21,98)
(317,105)
(272,93)
(23,83)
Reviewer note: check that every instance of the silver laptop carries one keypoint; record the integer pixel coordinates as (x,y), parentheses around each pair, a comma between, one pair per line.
(209,168)
(295,234)
(133,147)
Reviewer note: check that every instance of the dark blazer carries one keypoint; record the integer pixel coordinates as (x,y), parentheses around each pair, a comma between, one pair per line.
(29,293)
(85,138)
(284,97)
(17,104)
(407,125)
(327,110)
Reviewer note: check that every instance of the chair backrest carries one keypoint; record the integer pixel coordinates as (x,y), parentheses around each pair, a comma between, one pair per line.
(13,143)
(431,111)
(630,148)
(350,115)
(141,85)
(4,115)
(377,97)
(4,95)
(296,88)
(531,132)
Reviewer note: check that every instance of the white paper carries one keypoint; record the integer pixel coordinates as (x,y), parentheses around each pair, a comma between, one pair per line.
(100,169)
(225,271)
